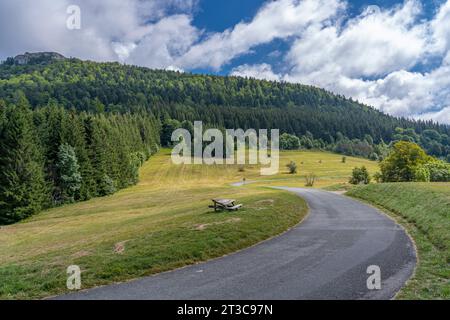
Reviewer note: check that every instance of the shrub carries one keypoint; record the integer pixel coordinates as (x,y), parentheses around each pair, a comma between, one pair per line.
(360,176)
(289,142)
(378,177)
(402,162)
(373,156)
(310,179)
(344,159)
(136,161)
(422,174)
(107,186)
(292,166)
(439,171)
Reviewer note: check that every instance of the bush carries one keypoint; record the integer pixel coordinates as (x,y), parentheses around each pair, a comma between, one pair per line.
(107,186)
(310,180)
(378,177)
(373,156)
(402,162)
(344,159)
(360,176)
(292,166)
(439,171)
(289,142)
(422,174)
(136,161)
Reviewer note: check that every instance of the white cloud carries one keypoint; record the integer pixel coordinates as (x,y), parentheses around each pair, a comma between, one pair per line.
(440,27)
(373,44)
(370,58)
(442,116)
(123,50)
(173,68)
(165,40)
(110,29)
(276,19)
(258,71)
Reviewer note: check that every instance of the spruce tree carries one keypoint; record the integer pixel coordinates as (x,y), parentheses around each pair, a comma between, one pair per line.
(68,172)
(22,186)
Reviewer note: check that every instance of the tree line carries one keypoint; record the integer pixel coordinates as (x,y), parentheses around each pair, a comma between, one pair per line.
(50,155)
(405,162)
(228,102)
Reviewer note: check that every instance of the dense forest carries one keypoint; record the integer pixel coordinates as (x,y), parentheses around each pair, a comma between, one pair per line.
(51,155)
(71,130)
(225,102)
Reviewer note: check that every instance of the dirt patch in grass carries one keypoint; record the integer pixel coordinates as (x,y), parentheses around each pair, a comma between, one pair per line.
(203,226)
(82,253)
(265,202)
(119,247)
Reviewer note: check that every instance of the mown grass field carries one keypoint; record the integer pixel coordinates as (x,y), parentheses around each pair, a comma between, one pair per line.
(424,209)
(162,223)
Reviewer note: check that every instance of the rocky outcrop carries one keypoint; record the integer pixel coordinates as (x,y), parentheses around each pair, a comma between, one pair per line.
(37,58)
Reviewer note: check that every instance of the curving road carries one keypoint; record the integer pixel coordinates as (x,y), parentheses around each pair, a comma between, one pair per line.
(325,257)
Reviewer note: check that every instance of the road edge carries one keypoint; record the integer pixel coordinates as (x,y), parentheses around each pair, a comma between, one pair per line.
(398,219)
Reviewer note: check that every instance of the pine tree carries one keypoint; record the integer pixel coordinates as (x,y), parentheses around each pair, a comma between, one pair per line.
(22,186)
(69,172)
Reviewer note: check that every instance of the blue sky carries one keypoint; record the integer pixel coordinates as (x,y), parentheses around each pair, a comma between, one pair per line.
(393,55)
(217,16)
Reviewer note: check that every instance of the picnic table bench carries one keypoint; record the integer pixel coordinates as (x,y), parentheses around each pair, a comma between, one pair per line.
(225,204)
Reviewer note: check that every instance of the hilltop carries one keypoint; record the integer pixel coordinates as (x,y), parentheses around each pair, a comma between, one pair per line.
(35,58)
(219,101)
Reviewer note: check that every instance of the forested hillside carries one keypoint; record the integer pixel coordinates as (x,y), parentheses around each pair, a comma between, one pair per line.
(51,156)
(228,102)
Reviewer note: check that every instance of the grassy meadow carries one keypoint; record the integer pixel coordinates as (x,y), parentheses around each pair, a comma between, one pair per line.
(424,210)
(160,224)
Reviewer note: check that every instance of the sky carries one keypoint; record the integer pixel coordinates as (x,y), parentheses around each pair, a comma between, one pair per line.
(393,55)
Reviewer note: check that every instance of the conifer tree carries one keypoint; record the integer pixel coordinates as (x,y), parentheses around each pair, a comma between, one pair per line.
(22,186)
(69,172)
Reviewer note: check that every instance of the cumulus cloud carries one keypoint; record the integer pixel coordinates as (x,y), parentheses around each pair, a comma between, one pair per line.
(375,43)
(276,19)
(442,116)
(110,29)
(258,71)
(440,28)
(165,40)
(371,57)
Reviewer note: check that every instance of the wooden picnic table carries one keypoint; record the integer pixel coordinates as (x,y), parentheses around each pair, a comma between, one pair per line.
(225,204)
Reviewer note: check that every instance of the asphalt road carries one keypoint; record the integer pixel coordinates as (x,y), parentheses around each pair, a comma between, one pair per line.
(325,257)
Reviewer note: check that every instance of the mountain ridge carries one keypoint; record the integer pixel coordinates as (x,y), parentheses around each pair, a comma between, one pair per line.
(220,101)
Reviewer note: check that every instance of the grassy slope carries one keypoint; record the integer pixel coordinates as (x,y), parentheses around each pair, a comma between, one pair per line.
(162,223)
(328,168)
(424,209)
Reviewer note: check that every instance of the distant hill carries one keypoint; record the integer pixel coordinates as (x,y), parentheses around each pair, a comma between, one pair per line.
(35,58)
(226,102)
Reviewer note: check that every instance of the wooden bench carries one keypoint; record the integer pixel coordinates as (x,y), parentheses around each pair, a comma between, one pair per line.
(225,204)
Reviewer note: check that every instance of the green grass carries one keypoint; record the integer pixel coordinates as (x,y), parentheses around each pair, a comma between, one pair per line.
(326,166)
(161,224)
(424,209)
